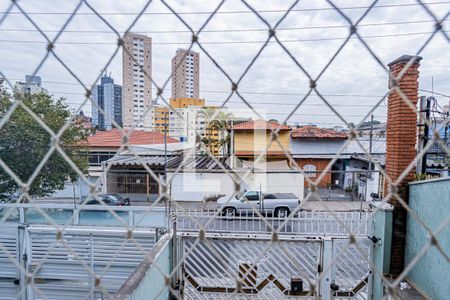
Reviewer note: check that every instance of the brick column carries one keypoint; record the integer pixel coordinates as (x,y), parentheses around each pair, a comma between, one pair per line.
(401,149)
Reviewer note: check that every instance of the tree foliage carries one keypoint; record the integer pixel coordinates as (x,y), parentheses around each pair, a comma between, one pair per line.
(24,143)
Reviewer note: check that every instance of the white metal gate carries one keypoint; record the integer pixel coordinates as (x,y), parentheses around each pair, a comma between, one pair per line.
(9,253)
(63,269)
(60,265)
(329,268)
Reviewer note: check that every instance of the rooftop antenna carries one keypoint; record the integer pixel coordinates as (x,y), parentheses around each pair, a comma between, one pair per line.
(432,86)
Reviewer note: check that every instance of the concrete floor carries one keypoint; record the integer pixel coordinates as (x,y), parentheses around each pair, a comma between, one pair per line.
(408,294)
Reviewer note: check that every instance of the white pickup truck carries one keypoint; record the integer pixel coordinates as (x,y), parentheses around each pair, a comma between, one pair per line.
(246,202)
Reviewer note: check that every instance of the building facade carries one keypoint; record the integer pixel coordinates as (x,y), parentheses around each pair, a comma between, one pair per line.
(252,139)
(32,85)
(313,149)
(108,96)
(160,118)
(137,86)
(185,74)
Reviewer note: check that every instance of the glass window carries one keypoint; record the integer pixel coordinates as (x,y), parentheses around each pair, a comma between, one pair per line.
(310,168)
(252,196)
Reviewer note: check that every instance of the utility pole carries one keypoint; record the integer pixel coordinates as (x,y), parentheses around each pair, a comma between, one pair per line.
(370,143)
(232,144)
(165,162)
(426,133)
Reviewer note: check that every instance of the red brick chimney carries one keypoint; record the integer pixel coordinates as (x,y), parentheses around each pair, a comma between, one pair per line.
(401,147)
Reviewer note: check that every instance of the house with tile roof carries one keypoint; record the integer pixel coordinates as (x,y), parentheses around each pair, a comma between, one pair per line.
(313,149)
(103,145)
(252,138)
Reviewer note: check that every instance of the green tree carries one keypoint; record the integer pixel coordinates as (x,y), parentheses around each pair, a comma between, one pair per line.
(24,144)
(216,121)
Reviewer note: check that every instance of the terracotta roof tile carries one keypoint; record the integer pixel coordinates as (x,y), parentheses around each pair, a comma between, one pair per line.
(260,125)
(318,133)
(113,138)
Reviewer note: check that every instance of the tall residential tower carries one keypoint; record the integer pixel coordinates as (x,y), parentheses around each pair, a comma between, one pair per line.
(185,74)
(137,86)
(108,97)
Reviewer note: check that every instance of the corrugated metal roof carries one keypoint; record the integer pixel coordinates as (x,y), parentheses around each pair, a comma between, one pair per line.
(193,162)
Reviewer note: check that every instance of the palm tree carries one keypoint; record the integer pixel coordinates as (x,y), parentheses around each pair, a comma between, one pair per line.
(215,121)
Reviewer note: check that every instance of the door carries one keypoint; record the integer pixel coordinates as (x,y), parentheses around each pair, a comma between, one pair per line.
(249,203)
(351,271)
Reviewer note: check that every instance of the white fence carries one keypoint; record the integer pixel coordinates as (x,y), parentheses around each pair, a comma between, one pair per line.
(75,214)
(303,223)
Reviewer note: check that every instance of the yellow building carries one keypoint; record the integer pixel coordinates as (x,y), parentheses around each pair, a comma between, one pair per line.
(186,102)
(160,116)
(253,137)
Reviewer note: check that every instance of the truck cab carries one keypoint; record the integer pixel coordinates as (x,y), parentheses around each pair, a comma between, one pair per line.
(246,203)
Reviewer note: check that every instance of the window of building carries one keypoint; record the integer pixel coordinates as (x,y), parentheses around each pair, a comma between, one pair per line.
(310,168)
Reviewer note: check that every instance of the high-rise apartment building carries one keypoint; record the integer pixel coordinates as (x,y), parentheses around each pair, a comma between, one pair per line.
(137,86)
(32,85)
(108,97)
(185,74)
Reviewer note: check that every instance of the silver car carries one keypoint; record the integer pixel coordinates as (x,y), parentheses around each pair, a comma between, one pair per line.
(247,202)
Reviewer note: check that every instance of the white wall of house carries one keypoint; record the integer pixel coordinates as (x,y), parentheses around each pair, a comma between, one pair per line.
(330,146)
(189,186)
(315,146)
(72,190)
(365,188)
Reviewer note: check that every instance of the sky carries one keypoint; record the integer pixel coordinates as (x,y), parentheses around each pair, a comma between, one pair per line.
(312,33)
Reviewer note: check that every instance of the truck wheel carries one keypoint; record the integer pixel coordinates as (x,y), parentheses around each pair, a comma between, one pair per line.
(282,212)
(229,212)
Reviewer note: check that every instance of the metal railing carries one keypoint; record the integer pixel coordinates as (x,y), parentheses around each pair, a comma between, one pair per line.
(303,223)
(84,215)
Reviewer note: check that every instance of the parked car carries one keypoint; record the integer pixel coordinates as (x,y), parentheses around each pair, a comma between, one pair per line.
(276,204)
(108,199)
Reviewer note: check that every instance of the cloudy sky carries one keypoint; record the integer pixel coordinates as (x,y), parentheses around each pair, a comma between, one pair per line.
(312,33)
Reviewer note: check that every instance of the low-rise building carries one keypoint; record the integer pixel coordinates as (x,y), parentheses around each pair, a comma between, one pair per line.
(253,139)
(104,145)
(313,149)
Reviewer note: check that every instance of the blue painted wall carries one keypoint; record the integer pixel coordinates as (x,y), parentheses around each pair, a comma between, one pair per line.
(153,285)
(430,199)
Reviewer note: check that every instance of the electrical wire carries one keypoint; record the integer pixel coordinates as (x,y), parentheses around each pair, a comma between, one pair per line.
(233,11)
(223,30)
(229,42)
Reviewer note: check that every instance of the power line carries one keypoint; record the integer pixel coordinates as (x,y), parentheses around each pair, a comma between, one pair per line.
(439,94)
(224,30)
(229,42)
(231,11)
(223,92)
(258,101)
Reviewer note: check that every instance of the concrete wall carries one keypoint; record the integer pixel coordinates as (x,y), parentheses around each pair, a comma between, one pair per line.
(430,199)
(148,280)
(75,190)
(189,186)
(365,188)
